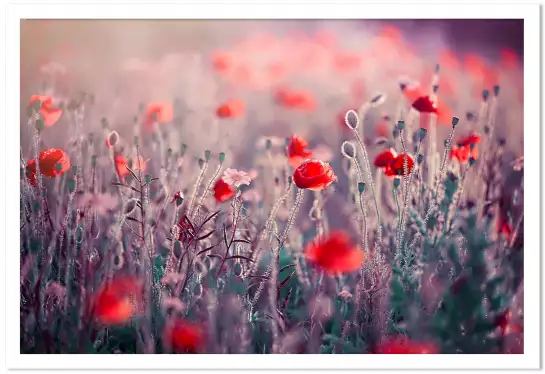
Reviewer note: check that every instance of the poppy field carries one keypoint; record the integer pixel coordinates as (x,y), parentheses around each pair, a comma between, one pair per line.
(287,190)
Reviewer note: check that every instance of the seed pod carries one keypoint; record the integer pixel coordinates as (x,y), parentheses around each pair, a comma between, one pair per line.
(348,150)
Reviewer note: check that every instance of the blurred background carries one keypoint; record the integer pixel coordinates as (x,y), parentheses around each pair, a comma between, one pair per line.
(200,65)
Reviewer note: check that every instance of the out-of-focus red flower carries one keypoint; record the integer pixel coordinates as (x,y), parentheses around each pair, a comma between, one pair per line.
(53,162)
(301,100)
(509,59)
(314,175)
(383,129)
(384,159)
(344,61)
(221,61)
(424,104)
(116,302)
(448,61)
(335,254)
(503,226)
(231,109)
(121,163)
(223,191)
(398,164)
(49,113)
(184,337)
(403,345)
(157,113)
(477,67)
(297,151)
(466,148)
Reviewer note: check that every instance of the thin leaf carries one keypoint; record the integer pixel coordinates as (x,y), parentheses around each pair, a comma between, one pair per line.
(286,267)
(286,299)
(126,186)
(133,219)
(259,277)
(225,236)
(206,249)
(133,174)
(209,218)
(286,280)
(240,257)
(206,235)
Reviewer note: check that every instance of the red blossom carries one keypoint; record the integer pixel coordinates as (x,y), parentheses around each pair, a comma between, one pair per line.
(403,345)
(314,175)
(184,337)
(121,164)
(384,159)
(335,254)
(223,191)
(297,151)
(53,162)
(398,164)
(115,302)
(293,99)
(424,104)
(49,113)
(231,109)
(157,113)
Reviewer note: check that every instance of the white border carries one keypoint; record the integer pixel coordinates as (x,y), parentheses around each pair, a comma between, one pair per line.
(529,12)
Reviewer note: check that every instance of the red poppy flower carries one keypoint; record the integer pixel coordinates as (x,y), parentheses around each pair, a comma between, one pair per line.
(314,175)
(467,141)
(53,162)
(157,113)
(346,62)
(424,104)
(402,345)
(231,109)
(301,100)
(114,303)
(297,151)
(398,164)
(184,337)
(48,112)
(383,129)
(384,159)
(504,227)
(335,254)
(223,191)
(121,164)
(504,322)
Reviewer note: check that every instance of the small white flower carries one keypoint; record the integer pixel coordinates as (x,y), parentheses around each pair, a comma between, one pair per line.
(236,178)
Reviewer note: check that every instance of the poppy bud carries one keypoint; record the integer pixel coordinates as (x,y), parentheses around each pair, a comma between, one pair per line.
(501,142)
(113,138)
(268,144)
(420,158)
(437,67)
(471,161)
(486,129)
(470,116)
(148,179)
(377,100)
(397,182)
(36,105)
(201,163)
(496,90)
(422,133)
(71,184)
(207,155)
(395,132)
(183,149)
(129,206)
(361,187)
(401,125)
(486,93)
(455,121)
(290,179)
(348,150)
(351,119)
(435,88)
(222,156)
(179,201)
(169,152)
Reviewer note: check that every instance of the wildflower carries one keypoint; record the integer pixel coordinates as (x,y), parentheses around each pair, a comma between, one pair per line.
(343,62)
(223,191)
(314,175)
(49,113)
(157,113)
(184,337)
(53,162)
(177,195)
(231,109)
(424,104)
(301,100)
(466,149)
(113,303)
(121,164)
(398,164)
(385,158)
(297,151)
(504,322)
(403,345)
(335,254)
(236,178)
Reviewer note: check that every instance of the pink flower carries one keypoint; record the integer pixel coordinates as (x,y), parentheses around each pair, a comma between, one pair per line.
(236,178)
